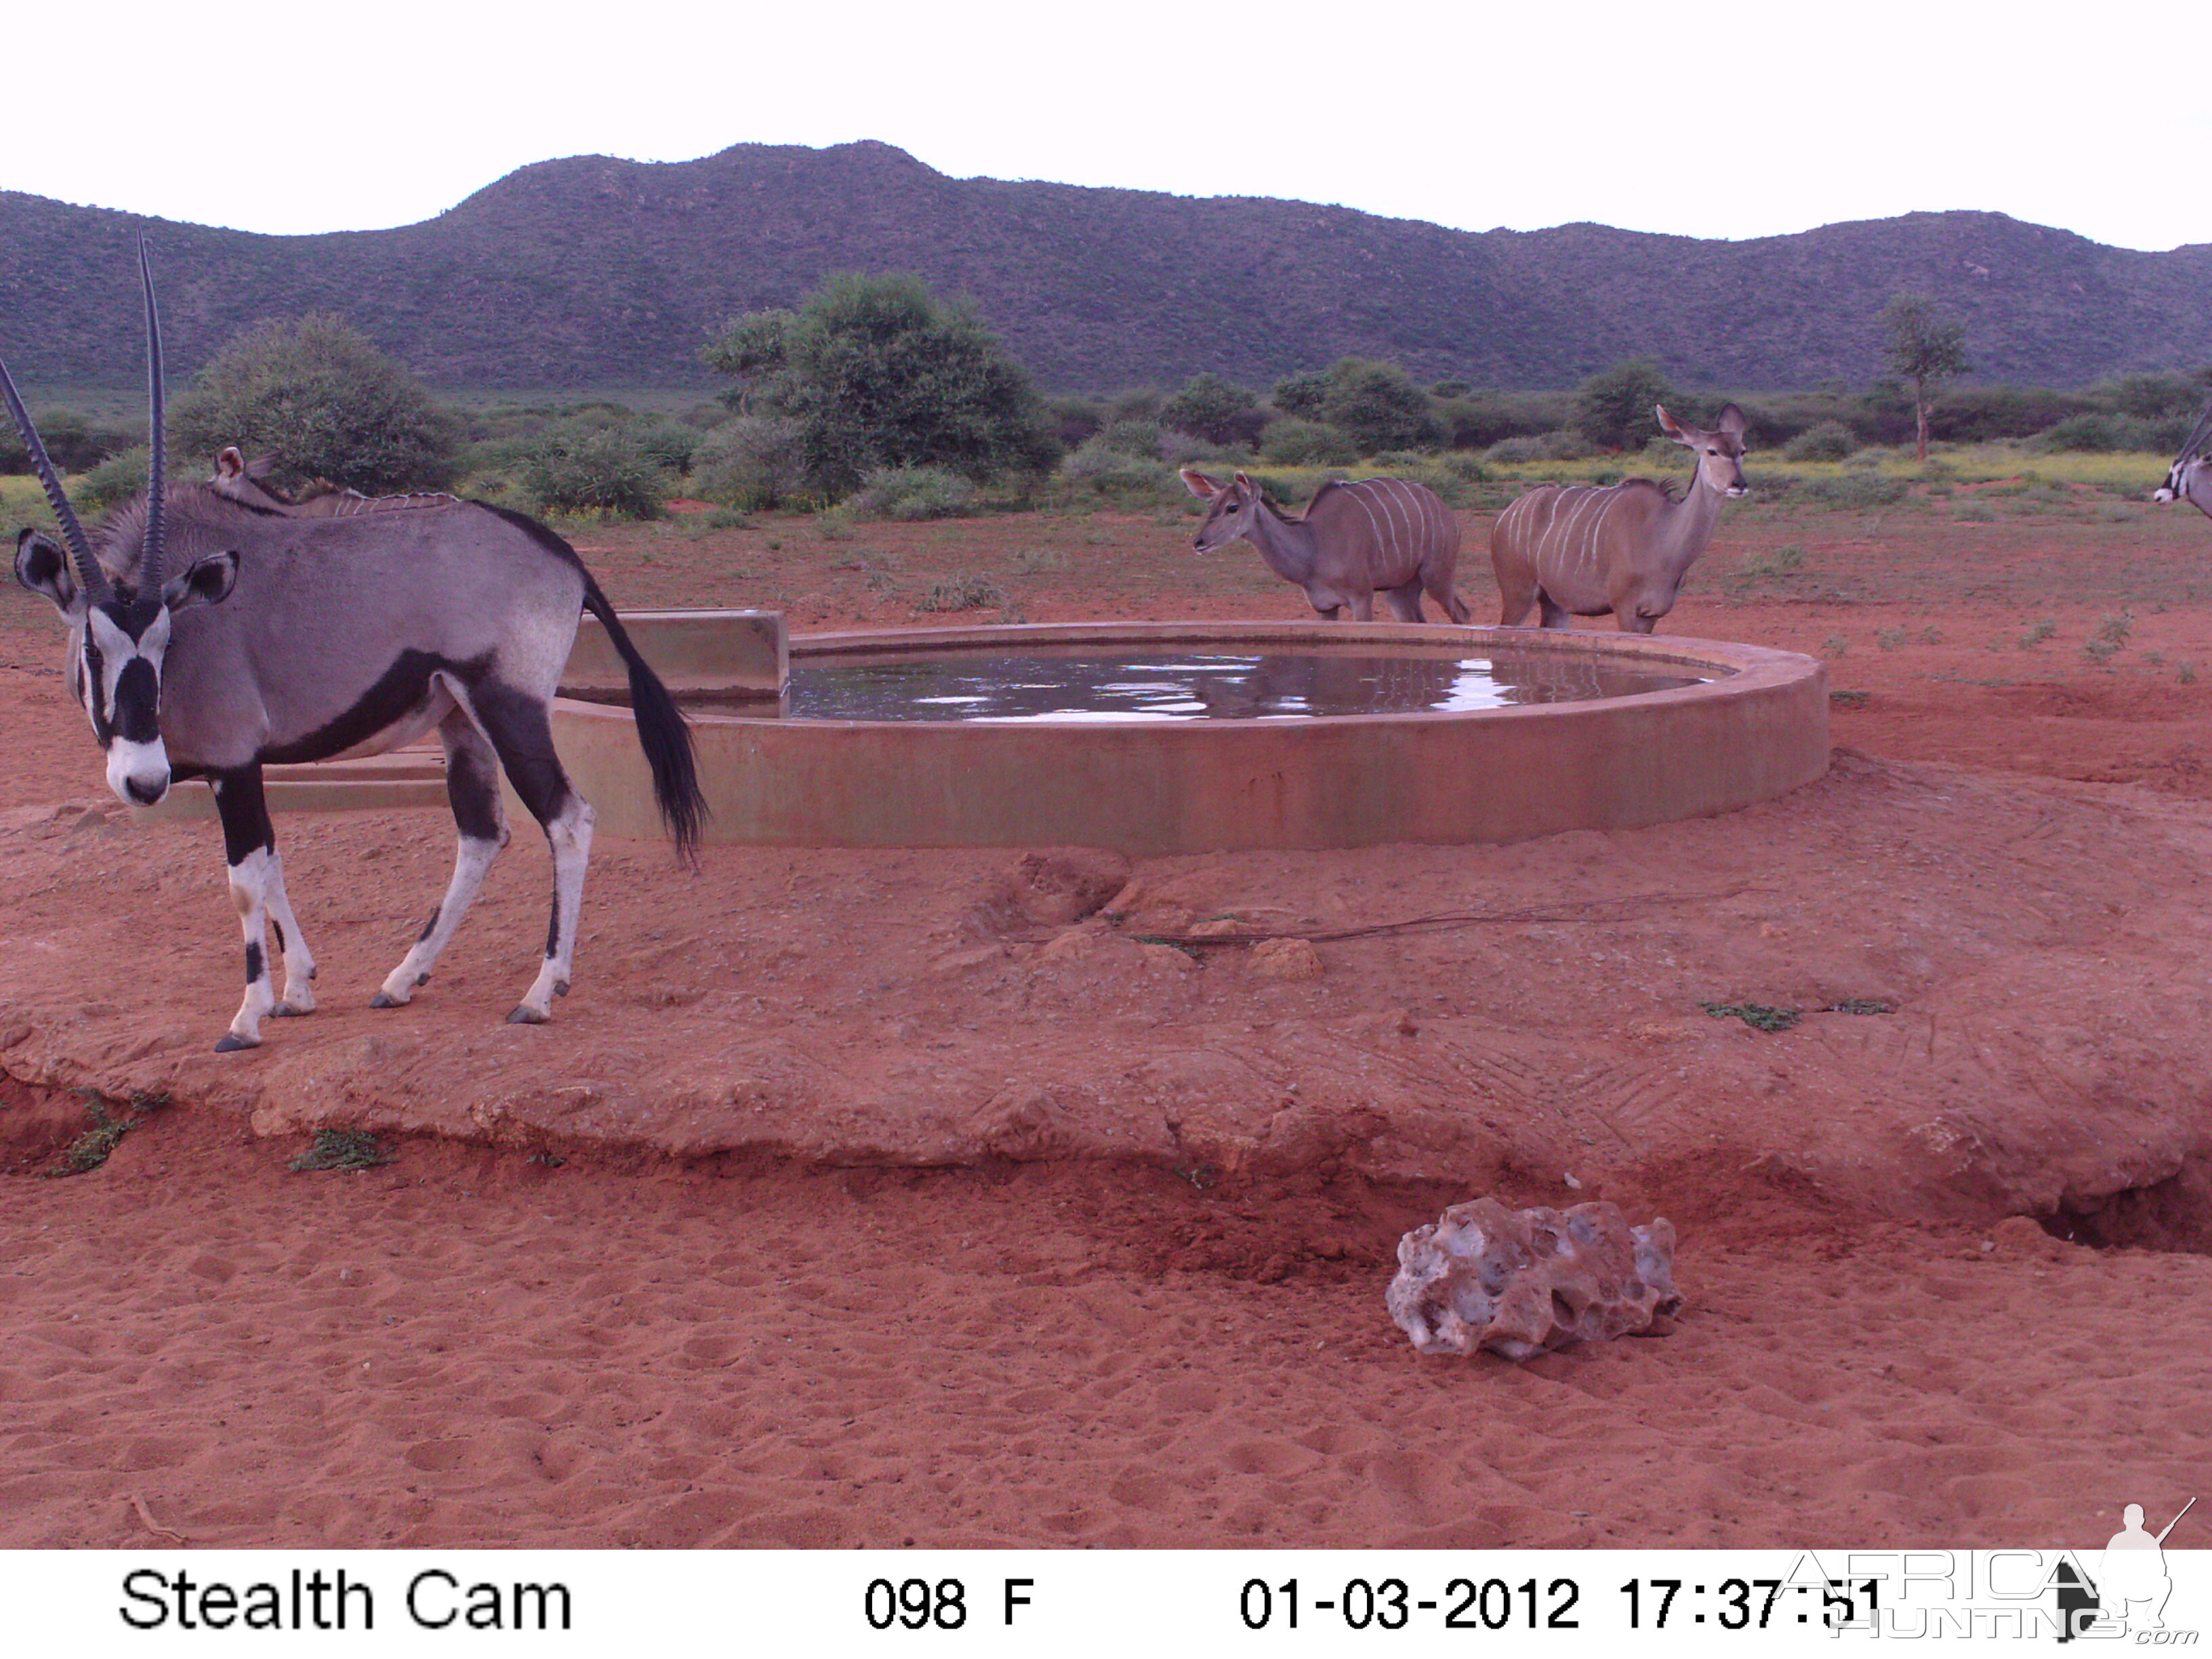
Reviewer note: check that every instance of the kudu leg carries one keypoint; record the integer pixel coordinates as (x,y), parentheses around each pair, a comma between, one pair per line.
(1406,602)
(1555,615)
(249,847)
(522,733)
(472,788)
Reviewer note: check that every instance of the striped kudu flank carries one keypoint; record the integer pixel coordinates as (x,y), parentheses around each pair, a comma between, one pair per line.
(290,633)
(1381,535)
(1579,550)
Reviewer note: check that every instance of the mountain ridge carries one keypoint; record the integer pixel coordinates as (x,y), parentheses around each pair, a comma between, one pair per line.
(592,270)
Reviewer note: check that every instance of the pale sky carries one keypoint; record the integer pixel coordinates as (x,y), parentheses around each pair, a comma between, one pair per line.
(1731,120)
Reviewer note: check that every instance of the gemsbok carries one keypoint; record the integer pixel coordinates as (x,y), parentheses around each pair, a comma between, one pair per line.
(2185,480)
(1381,535)
(282,637)
(1577,550)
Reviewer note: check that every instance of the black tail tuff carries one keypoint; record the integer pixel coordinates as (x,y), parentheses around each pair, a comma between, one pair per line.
(662,731)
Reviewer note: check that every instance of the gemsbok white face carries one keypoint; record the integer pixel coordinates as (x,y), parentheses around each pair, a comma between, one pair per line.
(345,629)
(115,652)
(2186,479)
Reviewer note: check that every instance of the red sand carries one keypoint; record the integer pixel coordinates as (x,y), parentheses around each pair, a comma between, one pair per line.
(1136,1298)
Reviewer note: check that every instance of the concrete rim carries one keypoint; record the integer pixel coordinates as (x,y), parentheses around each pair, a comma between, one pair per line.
(1156,785)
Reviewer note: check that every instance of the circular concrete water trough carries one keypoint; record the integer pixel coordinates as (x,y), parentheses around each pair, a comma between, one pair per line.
(1752,724)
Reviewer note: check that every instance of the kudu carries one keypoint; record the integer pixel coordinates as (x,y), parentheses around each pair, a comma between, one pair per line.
(285,636)
(248,482)
(1386,535)
(1576,549)
(2187,479)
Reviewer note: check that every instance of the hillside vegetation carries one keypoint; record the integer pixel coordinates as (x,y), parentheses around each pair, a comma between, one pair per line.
(595,272)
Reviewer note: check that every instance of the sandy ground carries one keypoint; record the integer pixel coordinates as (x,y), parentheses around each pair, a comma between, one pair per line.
(846,1203)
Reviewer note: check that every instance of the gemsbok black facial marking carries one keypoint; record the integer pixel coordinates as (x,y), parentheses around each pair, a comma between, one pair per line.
(335,625)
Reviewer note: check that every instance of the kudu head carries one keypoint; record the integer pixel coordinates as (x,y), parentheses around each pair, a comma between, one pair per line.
(1719,452)
(118,629)
(2185,480)
(1231,510)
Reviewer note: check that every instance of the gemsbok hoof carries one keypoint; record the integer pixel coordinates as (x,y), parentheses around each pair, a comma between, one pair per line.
(526,1015)
(286,1011)
(232,1042)
(381,1000)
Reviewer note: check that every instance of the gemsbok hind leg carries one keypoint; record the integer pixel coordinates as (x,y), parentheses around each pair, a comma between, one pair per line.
(521,731)
(257,888)
(472,789)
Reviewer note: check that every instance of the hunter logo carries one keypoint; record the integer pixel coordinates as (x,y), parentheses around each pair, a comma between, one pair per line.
(2129,1592)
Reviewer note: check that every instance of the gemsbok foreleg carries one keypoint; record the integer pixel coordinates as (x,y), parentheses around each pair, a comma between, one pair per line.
(522,733)
(257,888)
(472,789)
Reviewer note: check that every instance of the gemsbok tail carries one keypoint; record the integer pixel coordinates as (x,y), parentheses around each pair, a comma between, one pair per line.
(662,731)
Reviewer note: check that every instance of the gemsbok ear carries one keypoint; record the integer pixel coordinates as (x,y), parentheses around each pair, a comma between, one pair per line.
(43,568)
(1198,484)
(204,581)
(1669,425)
(230,466)
(1732,421)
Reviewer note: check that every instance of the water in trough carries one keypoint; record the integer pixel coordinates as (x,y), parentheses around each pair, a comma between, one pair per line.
(1080,684)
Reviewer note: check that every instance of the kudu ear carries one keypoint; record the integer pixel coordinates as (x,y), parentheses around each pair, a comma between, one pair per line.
(1670,426)
(1731,421)
(1251,490)
(230,466)
(43,568)
(204,581)
(1198,484)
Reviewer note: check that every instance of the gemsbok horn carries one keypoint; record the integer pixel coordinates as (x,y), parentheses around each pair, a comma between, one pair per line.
(284,637)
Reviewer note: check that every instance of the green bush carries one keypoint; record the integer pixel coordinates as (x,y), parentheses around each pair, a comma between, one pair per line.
(1301,396)
(1855,490)
(878,372)
(1294,442)
(1614,408)
(1216,409)
(575,466)
(2111,433)
(909,493)
(73,443)
(316,394)
(671,444)
(1831,440)
(1565,445)
(1132,437)
(114,481)
(753,462)
(1378,407)
(1104,470)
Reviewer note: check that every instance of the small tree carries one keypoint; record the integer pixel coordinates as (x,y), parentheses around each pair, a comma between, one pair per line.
(877,372)
(314,393)
(1925,348)
(1214,409)
(1379,408)
(1614,408)
(1302,394)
